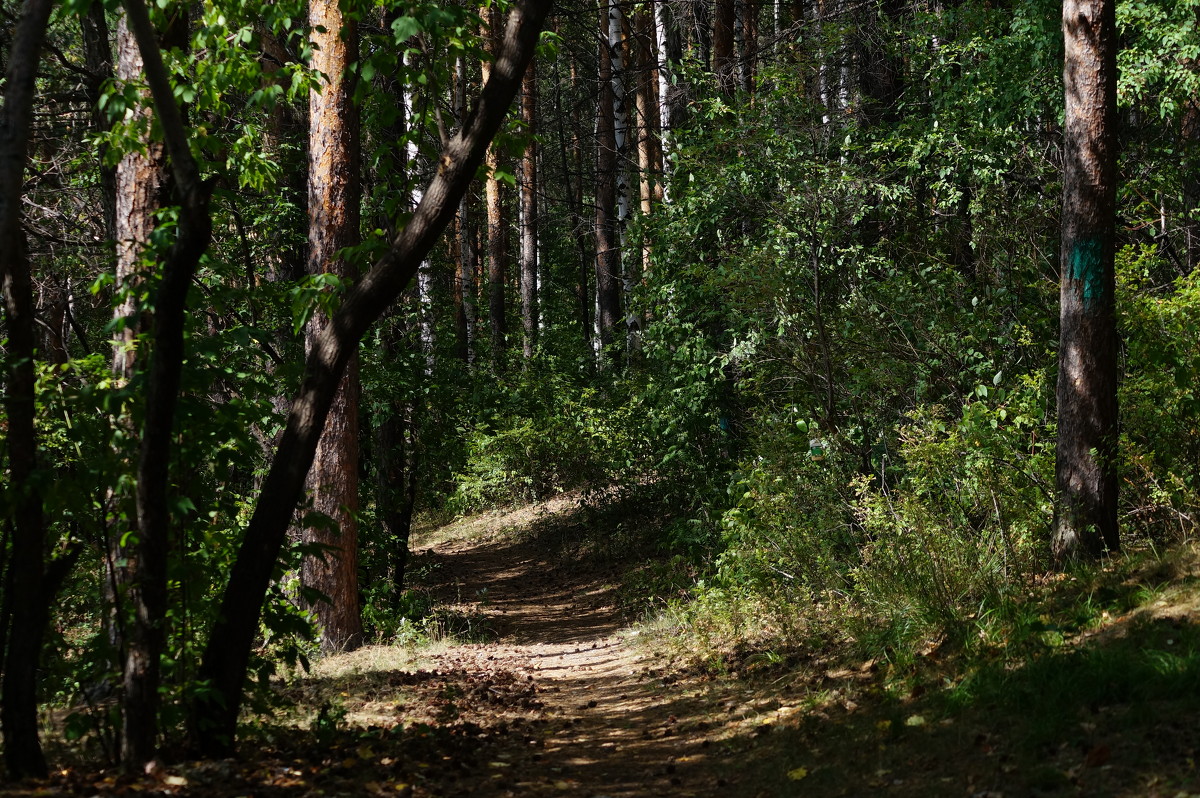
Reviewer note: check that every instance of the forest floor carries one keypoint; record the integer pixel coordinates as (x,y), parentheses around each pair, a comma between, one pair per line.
(562,696)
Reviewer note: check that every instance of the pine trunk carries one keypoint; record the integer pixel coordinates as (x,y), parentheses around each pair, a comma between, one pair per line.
(1085,466)
(333,216)
(142,188)
(163,377)
(648,152)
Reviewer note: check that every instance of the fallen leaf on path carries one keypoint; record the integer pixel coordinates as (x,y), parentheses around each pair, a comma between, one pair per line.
(797,774)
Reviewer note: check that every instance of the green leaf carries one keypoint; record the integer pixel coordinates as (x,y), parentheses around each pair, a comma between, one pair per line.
(404,28)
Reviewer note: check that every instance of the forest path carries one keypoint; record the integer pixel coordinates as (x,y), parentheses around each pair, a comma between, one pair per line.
(564,700)
(614,725)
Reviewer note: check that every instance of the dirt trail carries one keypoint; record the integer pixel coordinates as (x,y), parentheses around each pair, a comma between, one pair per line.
(562,701)
(615,726)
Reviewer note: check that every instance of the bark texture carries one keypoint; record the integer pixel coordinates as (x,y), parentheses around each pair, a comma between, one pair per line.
(529,214)
(228,650)
(1085,465)
(724,62)
(334,198)
(497,227)
(141,191)
(141,182)
(608,248)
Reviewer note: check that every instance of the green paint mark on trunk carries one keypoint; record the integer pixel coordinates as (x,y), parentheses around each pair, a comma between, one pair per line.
(1087,267)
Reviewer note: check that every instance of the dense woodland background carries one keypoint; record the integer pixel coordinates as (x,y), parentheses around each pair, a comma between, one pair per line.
(791,270)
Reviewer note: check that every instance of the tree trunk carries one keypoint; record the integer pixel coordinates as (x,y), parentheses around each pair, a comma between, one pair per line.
(334,197)
(529,214)
(669,54)
(648,152)
(608,251)
(148,566)
(1085,465)
(497,248)
(141,191)
(142,188)
(227,653)
(571,153)
(99,59)
(724,63)
(748,61)
(465,279)
(26,593)
(397,473)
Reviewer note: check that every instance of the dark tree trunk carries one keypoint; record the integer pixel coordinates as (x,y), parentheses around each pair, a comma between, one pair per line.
(397,473)
(724,64)
(881,73)
(148,560)
(748,59)
(570,151)
(227,653)
(141,183)
(464,280)
(608,248)
(26,592)
(99,59)
(529,214)
(334,197)
(1085,467)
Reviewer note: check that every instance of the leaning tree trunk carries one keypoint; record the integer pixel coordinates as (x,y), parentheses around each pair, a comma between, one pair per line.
(27,596)
(227,654)
(1085,466)
(333,220)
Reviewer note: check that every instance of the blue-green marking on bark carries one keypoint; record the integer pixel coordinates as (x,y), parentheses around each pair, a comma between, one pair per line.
(1087,267)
